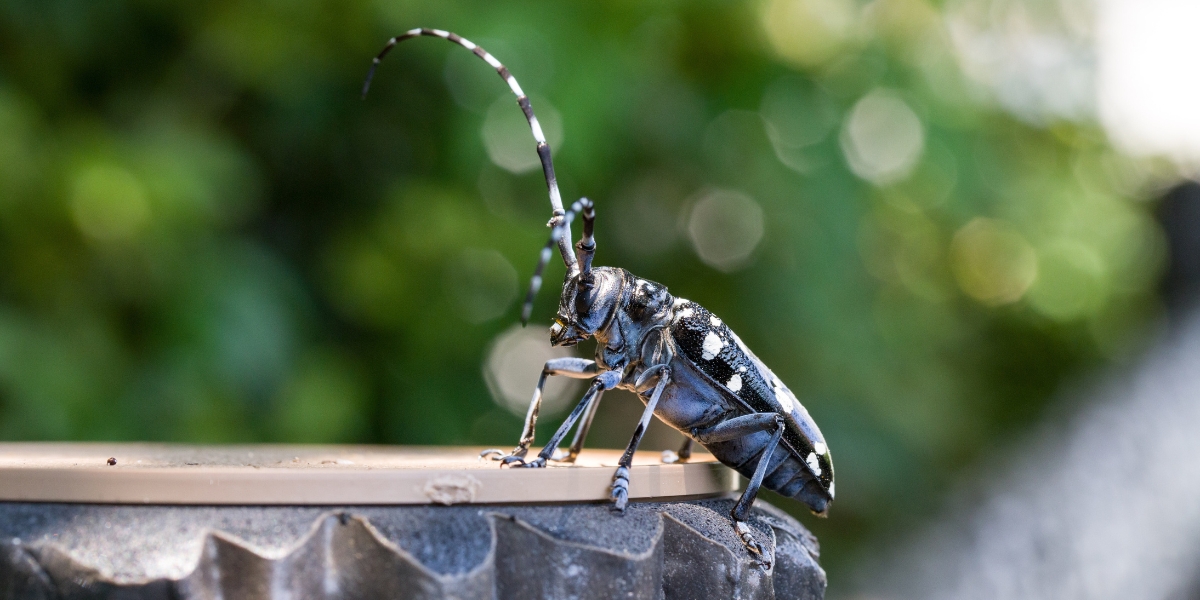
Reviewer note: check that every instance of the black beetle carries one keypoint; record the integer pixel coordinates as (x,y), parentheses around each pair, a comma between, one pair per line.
(689,368)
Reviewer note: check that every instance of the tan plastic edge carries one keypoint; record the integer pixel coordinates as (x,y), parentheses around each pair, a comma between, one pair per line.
(329,475)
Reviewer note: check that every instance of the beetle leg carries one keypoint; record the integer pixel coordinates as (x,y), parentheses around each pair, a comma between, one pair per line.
(679,456)
(603,381)
(577,368)
(742,509)
(737,427)
(620,486)
(580,433)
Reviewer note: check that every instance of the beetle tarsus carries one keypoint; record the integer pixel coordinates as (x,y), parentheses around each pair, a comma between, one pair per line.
(620,498)
(516,456)
(512,461)
(747,536)
(536,463)
(620,489)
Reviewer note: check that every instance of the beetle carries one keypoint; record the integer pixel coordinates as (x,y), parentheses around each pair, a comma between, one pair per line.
(688,367)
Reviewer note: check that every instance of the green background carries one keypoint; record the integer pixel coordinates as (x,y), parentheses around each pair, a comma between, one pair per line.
(206,236)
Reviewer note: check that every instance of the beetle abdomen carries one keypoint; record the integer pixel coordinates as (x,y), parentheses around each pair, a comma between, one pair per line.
(791,478)
(716,352)
(786,474)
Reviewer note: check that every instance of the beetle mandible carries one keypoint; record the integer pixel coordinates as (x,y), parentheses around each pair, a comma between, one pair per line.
(689,368)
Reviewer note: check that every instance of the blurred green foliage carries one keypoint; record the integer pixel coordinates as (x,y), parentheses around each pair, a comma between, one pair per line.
(206,236)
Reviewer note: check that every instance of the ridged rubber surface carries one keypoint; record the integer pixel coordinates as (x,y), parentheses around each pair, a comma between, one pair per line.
(655,550)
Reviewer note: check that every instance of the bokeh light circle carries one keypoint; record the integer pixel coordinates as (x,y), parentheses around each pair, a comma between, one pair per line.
(512,367)
(725,226)
(883,138)
(1072,282)
(992,261)
(482,284)
(108,203)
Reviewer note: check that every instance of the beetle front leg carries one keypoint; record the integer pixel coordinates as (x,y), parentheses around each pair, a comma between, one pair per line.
(577,368)
(604,381)
(620,486)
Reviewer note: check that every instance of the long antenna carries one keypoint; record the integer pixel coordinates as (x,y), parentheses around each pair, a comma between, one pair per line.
(587,249)
(543,148)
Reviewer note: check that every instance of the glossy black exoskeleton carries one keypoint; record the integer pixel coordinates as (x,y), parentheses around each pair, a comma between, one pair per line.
(685,364)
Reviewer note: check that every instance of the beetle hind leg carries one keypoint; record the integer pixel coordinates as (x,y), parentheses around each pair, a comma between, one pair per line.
(733,429)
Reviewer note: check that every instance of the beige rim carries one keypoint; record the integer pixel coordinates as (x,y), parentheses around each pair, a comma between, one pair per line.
(330,475)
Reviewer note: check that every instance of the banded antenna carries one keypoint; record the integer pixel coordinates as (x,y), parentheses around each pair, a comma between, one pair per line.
(586,249)
(560,221)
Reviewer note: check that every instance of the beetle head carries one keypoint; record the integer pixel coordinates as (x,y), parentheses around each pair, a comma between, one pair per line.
(586,305)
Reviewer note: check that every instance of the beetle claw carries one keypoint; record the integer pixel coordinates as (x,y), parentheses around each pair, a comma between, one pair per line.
(510,460)
(620,497)
(747,535)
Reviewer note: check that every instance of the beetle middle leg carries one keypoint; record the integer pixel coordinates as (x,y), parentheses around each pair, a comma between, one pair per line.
(580,433)
(620,486)
(739,427)
(577,368)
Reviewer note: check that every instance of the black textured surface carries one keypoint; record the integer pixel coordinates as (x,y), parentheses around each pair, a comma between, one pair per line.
(655,550)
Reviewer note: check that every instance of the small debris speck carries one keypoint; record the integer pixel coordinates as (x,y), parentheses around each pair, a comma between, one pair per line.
(112,461)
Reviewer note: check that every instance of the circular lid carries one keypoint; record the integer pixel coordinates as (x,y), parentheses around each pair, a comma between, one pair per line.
(330,475)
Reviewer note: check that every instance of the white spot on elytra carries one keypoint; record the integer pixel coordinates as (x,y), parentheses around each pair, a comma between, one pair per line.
(831,492)
(684,314)
(785,402)
(813,464)
(735,383)
(679,302)
(781,394)
(742,369)
(714,320)
(712,346)
(819,448)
